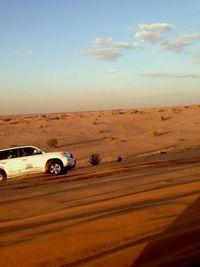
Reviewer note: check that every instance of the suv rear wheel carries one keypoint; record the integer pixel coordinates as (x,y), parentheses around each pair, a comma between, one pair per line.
(55,167)
(3,175)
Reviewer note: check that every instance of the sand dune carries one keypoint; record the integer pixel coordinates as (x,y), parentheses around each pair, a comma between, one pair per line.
(112,133)
(142,211)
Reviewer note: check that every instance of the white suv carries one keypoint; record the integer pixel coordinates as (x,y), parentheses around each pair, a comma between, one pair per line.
(29,159)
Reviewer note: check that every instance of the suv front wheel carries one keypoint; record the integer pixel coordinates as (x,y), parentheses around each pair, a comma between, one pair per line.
(55,167)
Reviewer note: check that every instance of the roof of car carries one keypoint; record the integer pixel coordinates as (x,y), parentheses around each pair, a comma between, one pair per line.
(16,147)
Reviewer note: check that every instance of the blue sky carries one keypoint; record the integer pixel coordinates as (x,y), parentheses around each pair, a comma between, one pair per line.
(72,55)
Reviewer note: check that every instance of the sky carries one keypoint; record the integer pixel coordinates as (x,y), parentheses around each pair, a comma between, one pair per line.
(76,55)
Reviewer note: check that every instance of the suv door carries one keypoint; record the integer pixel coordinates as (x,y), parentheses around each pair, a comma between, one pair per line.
(32,159)
(10,162)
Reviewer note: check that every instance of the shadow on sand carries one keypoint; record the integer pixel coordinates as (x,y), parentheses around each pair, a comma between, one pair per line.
(178,245)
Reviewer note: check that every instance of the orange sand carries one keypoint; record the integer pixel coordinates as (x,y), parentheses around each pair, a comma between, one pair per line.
(143,211)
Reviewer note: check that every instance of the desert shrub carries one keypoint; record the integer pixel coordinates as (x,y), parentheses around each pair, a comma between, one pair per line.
(7,119)
(164,118)
(43,116)
(13,122)
(53,142)
(163,152)
(64,116)
(122,112)
(119,158)
(54,118)
(95,158)
(155,133)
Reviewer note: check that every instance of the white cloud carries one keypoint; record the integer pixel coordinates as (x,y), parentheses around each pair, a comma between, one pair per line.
(109,42)
(148,36)
(155,27)
(107,49)
(112,71)
(24,53)
(170,75)
(103,54)
(180,43)
(152,32)
(196,57)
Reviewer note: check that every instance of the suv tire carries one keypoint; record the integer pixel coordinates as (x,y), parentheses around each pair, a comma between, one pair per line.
(55,167)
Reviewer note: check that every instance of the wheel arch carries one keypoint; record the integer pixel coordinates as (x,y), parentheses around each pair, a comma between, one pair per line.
(4,177)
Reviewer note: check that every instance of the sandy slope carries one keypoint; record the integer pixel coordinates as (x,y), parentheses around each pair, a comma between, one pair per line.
(143,211)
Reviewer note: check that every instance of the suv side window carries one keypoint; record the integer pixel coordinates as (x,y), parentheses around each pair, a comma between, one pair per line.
(3,154)
(14,153)
(9,154)
(28,151)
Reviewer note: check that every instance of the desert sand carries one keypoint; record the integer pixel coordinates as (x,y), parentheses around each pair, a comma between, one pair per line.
(141,211)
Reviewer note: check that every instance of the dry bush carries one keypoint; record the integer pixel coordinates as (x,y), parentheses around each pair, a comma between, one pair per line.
(119,158)
(7,119)
(54,118)
(164,118)
(13,122)
(95,159)
(52,142)
(155,133)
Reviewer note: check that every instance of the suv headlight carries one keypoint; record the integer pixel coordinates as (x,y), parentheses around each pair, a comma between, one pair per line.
(68,155)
